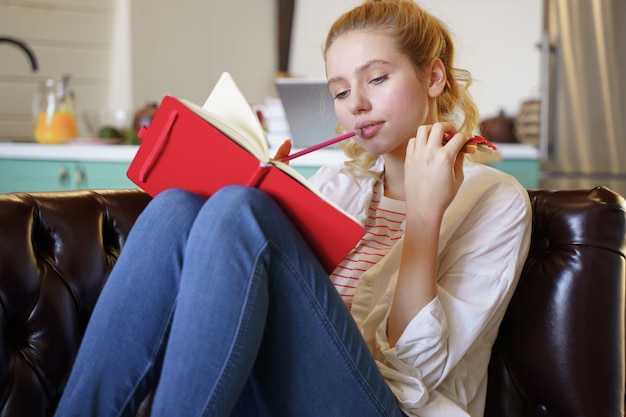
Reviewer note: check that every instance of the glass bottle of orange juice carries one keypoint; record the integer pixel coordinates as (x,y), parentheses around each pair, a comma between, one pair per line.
(55,112)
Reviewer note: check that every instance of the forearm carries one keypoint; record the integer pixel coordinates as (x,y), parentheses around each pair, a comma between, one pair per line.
(417,277)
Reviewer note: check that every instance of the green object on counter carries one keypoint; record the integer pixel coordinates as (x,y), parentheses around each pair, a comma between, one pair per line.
(109,132)
(131,137)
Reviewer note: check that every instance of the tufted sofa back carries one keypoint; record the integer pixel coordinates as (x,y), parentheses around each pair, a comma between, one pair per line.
(56,251)
(560,348)
(559,353)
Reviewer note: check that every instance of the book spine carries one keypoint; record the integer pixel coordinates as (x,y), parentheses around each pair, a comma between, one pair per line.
(158,147)
(258,175)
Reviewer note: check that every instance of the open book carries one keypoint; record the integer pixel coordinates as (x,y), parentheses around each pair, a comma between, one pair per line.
(204,148)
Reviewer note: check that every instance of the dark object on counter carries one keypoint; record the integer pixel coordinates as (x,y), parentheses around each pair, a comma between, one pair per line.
(527,122)
(144,116)
(499,129)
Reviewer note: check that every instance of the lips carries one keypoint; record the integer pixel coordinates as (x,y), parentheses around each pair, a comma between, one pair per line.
(368,128)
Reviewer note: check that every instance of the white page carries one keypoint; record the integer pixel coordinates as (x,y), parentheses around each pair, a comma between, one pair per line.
(228,103)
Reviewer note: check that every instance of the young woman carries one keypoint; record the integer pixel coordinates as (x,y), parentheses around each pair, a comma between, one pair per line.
(222,305)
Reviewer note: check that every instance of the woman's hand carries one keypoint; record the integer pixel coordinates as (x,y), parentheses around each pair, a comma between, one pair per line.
(433,172)
(283,150)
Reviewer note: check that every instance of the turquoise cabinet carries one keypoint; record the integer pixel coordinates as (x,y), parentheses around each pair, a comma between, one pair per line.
(525,170)
(42,175)
(35,167)
(104,175)
(16,175)
(32,167)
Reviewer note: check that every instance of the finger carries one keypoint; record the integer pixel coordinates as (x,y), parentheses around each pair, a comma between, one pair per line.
(410,146)
(283,150)
(421,136)
(458,163)
(457,143)
(458,167)
(441,131)
(436,135)
(469,148)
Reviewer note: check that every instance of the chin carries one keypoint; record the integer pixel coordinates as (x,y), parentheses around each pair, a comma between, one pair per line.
(372,147)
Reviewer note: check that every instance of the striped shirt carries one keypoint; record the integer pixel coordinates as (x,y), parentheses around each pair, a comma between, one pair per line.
(382,230)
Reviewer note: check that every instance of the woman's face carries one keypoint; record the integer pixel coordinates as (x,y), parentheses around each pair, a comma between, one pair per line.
(377,88)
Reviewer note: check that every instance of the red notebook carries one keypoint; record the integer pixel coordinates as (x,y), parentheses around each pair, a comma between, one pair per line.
(202,149)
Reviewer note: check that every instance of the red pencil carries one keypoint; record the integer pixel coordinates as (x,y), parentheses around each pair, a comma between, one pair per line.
(318,146)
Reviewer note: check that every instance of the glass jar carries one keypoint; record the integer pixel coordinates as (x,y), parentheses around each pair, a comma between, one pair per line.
(55,112)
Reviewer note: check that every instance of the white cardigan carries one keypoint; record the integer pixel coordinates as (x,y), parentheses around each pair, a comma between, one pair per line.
(438,367)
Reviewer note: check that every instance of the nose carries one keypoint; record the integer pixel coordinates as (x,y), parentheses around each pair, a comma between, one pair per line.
(359,102)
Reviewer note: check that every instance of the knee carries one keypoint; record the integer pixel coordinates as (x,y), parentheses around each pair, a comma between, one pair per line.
(236,196)
(176,203)
(246,204)
(175,196)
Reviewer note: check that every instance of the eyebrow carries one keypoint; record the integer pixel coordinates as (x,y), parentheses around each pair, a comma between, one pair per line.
(362,68)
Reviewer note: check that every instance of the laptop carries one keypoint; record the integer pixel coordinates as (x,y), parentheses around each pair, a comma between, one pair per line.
(309,110)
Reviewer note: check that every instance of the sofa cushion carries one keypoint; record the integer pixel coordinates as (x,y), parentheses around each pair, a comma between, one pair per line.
(560,349)
(559,353)
(56,251)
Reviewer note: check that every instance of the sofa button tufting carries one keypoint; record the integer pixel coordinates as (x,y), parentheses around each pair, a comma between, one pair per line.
(540,410)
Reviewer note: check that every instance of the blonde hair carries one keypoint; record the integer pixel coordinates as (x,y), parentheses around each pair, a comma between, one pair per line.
(421,37)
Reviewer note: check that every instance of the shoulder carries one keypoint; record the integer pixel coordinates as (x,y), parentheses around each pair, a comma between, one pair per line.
(482,179)
(326,173)
(330,178)
(351,194)
(488,226)
(490,199)
(487,174)
(341,188)
(491,203)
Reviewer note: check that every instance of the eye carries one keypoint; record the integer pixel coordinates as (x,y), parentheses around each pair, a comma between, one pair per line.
(341,95)
(379,80)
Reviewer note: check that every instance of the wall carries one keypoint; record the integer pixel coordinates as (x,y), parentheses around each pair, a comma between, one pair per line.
(67,36)
(495,39)
(181,47)
(171,47)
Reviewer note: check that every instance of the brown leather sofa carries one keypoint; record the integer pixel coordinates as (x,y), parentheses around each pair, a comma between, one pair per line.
(560,350)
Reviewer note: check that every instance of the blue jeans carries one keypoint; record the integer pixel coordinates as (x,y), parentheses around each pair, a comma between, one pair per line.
(223,304)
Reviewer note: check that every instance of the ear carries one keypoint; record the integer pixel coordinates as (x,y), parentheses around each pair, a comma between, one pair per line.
(437,78)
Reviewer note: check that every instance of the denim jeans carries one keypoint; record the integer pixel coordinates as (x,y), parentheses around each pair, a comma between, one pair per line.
(221,303)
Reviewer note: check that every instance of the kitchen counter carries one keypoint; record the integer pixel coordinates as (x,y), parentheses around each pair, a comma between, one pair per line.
(125,153)
(36,167)
(80,152)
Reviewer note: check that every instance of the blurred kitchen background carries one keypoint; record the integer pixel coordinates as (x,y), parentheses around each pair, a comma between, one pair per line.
(123,55)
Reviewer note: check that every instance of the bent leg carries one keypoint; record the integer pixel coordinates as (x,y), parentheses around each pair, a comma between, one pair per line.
(250,282)
(115,366)
(223,300)
(313,359)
